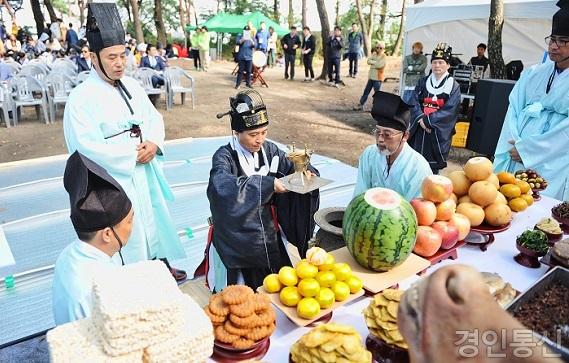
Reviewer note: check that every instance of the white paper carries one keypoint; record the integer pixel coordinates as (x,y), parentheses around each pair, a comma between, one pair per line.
(6,257)
(246,35)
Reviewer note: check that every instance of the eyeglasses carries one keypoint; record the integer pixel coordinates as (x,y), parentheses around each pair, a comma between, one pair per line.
(84,51)
(559,42)
(387,135)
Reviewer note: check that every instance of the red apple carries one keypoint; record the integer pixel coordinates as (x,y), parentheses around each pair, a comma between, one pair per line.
(436,188)
(445,210)
(461,222)
(449,233)
(428,242)
(425,210)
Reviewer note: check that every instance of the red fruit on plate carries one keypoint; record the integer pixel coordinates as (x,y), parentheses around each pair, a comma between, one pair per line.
(449,232)
(445,210)
(429,241)
(461,222)
(436,188)
(425,210)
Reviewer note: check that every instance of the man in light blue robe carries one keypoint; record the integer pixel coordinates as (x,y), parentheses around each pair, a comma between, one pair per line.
(110,119)
(102,217)
(535,134)
(391,163)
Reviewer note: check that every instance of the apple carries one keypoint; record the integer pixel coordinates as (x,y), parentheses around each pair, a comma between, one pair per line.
(461,222)
(436,188)
(429,241)
(425,210)
(445,210)
(449,232)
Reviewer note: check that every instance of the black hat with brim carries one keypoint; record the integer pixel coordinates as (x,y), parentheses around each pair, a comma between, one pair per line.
(104,26)
(390,111)
(560,23)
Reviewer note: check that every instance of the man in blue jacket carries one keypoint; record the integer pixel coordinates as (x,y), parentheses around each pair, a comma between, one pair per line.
(355,42)
(245,56)
(262,38)
(71,38)
(152,60)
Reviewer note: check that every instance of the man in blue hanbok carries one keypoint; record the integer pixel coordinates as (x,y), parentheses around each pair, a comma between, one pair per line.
(102,217)
(535,134)
(110,119)
(391,163)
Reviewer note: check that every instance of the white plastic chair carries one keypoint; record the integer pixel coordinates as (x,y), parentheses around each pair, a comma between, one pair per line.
(82,76)
(34,70)
(6,103)
(16,67)
(144,76)
(177,79)
(26,88)
(58,87)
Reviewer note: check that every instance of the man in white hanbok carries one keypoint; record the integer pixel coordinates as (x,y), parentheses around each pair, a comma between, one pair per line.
(110,119)
(535,133)
(391,163)
(102,217)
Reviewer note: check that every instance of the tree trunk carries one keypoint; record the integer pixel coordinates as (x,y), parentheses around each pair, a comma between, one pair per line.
(495,25)
(136,20)
(50,10)
(276,14)
(337,18)
(325,25)
(303,13)
(399,41)
(127,5)
(382,17)
(290,14)
(182,11)
(81,5)
(367,27)
(159,22)
(38,16)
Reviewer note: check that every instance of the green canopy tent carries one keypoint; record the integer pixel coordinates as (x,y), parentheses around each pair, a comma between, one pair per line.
(234,23)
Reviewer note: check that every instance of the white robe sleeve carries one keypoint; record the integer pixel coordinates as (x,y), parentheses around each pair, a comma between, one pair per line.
(363,182)
(82,133)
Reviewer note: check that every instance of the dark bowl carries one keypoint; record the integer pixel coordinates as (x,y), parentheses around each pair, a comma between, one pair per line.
(559,219)
(528,251)
(383,352)
(229,347)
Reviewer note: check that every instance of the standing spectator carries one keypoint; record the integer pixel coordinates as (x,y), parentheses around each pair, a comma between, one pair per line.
(262,38)
(308,49)
(252,29)
(335,45)
(13,44)
(131,63)
(290,43)
(71,38)
(355,42)
(194,49)
(84,61)
(414,66)
(203,46)
(245,56)
(376,76)
(273,37)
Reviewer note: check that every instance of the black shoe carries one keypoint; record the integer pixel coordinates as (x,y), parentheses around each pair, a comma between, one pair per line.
(178,275)
(249,86)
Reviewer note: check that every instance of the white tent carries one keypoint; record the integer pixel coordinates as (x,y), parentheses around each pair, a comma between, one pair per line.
(464,23)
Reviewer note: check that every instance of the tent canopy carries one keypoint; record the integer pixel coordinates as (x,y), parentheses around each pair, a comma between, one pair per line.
(234,23)
(464,23)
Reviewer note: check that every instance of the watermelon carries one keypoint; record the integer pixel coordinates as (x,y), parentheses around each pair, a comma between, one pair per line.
(380,229)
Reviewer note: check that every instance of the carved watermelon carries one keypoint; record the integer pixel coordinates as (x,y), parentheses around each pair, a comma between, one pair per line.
(380,229)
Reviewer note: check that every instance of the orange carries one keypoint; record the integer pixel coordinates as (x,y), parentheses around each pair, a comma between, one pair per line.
(272,284)
(506,178)
(510,190)
(308,308)
(518,204)
(524,186)
(290,296)
(308,287)
(528,198)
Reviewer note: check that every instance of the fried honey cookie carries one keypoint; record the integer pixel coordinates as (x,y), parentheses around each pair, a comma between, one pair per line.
(236,294)
(261,302)
(243,310)
(232,329)
(265,318)
(217,306)
(224,336)
(246,322)
(260,332)
(242,343)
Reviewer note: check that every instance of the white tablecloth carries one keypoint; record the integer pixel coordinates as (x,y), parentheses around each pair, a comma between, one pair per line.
(498,258)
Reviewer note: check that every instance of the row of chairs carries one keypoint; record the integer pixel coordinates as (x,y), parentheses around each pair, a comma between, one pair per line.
(45,87)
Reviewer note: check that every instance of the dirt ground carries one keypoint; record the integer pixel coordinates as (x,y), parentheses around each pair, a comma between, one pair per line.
(311,113)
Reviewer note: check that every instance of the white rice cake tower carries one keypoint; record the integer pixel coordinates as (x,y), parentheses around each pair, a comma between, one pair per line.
(79,341)
(136,306)
(194,343)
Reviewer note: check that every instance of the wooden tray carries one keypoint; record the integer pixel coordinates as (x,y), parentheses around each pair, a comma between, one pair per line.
(442,255)
(293,316)
(375,282)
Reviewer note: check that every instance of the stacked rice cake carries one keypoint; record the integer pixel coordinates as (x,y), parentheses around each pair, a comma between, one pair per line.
(136,308)
(79,341)
(139,315)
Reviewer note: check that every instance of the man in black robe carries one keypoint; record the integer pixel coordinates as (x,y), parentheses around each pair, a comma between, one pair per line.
(251,209)
(436,102)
